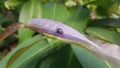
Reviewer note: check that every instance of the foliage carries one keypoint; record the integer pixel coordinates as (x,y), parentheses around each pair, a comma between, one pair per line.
(95,18)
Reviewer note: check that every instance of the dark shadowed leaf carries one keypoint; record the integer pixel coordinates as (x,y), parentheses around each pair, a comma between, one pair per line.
(0,28)
(29,42)
(64,58)
(106,22)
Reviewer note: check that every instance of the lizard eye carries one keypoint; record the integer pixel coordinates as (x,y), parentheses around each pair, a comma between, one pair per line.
(59,30)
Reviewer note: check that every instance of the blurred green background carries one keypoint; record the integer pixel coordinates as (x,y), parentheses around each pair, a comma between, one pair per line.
(28,49)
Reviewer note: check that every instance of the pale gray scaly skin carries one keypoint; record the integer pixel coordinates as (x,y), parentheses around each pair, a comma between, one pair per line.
(50,27)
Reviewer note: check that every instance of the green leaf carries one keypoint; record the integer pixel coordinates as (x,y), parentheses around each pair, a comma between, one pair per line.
(64,58)
(105,34)
(89,60)
(115,9)
(103,13)
(30,9)
(106,22)
(103,3)
(0,28)
(24,34)
(12,4)
(78,18)
(38,50)
(104,8)
(83,2)
(29,42)
(55,11)
(118,1)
